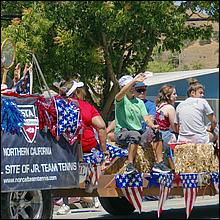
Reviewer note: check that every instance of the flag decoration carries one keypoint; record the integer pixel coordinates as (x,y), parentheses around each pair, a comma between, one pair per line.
(23,85)
(47,115)
(73,118)
(115,151)
(153,179)
(190,188)
(94,157)
(165,180)
(67,117)
(132,187)
(12,118)
(215,180)
(94,174)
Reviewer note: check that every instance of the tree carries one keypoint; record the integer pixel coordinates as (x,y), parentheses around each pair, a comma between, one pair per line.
(99,41)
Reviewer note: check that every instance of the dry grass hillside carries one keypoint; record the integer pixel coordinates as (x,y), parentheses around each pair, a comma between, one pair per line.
(200,54)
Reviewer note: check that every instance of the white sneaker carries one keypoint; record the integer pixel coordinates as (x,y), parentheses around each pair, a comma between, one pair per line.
(63,210)
(96,202)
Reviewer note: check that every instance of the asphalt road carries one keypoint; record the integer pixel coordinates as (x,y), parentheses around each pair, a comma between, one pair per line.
(204,208)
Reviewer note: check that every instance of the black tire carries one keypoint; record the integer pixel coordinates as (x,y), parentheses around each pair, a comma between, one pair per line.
(116,205)
(27,205)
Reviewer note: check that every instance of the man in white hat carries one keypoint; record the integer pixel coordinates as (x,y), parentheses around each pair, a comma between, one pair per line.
(129,114)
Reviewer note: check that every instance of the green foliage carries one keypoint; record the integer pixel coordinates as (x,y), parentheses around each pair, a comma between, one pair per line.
(100,40)
(197,66)
(159,67)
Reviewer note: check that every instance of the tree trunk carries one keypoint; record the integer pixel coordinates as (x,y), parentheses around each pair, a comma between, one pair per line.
(107,108)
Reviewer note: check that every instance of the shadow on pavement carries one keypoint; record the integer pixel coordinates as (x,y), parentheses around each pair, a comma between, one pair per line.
(198,212)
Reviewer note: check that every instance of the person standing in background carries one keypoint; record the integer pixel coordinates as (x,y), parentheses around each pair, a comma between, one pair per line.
(190,115)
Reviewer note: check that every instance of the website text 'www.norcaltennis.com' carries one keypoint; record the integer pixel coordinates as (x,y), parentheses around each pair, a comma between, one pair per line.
(30,179)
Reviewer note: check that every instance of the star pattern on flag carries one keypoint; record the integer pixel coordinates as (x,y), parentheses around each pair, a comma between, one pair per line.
(67,116)
(190,188)
(165,180)
(115,151)
(94,157)
(131,186)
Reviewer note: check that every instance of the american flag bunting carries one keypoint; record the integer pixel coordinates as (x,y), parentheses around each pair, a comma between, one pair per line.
(67,117)
(115,151)
(165,180)
(132,187)
(190,188)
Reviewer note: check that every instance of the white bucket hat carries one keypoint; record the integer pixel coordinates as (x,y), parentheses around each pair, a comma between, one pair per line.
(74,87)
(125,80)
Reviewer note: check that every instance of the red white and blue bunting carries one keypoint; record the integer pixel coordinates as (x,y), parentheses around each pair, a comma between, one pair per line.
(189,181)
(190,188)
(165,180)
(131,186)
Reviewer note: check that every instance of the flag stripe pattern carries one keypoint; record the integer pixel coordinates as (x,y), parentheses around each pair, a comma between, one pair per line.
(132,188)
(134,196)
(93,159)
(190,189)
(165,180)
(94,173)
(190,198)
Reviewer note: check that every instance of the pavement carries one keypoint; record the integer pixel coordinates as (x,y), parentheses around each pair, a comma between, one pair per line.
(206,207)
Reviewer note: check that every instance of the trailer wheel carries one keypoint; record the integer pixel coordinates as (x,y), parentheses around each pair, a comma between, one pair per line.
(27,205)
(116,205)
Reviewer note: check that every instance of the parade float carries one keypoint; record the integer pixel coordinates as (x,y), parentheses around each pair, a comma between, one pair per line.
(40,161)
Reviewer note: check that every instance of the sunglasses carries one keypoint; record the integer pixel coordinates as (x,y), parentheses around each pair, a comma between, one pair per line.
(140,90)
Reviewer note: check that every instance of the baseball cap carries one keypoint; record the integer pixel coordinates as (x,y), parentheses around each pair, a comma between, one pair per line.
(140,84)
(74,87)
(124,80)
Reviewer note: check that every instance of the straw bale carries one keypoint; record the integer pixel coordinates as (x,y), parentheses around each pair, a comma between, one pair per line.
(195,158)
(143,163)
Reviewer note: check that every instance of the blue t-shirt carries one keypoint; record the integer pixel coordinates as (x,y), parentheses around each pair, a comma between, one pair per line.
(151,110)
(151,107)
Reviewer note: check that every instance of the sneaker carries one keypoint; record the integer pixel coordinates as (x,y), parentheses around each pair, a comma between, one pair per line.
(130,169)
(63,210)
(96,202)
(161,168)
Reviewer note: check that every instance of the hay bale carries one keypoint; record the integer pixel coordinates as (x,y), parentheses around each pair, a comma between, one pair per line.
(195,158)
(143,163)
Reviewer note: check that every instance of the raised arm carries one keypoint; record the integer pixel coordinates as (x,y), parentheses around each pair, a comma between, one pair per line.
(139,78)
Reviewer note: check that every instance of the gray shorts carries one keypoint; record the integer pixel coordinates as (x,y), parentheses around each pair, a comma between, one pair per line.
(126,137)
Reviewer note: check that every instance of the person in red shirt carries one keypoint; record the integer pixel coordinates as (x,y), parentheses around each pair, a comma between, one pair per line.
(93,131)
(92,121)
